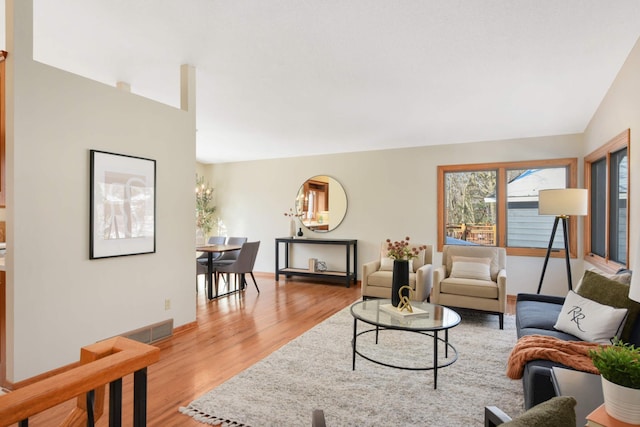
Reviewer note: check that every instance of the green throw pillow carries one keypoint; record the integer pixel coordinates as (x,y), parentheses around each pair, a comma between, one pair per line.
(556,412)
(610,292)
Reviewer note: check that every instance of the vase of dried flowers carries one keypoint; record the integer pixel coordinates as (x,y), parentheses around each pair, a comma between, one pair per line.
(401,252)
(292,222)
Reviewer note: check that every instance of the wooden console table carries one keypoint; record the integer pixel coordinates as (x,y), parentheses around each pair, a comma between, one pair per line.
(351,252)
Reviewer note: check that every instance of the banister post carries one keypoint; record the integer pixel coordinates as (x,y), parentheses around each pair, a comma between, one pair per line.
(115,403)
(140,398)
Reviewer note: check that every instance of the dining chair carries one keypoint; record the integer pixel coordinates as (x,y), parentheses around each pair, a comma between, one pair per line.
(229,257)
(242,266)
(201,261)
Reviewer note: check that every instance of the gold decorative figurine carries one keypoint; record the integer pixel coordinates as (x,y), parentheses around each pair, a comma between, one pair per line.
(405,303)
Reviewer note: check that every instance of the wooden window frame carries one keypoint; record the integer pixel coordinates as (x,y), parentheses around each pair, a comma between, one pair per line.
(617,143)
(501,206)
(3,184)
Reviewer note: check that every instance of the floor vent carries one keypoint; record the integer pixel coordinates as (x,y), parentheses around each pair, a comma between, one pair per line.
(152,333)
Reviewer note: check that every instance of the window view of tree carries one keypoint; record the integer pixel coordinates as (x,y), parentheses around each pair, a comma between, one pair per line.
(471,206)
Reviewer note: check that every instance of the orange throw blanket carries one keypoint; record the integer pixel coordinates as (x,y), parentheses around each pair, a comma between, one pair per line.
(573,354)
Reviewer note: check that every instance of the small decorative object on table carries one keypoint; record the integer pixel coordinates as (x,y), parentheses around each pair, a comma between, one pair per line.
(619,366)
(300,233)
(401,253)
(321,266)
(405,304)
(405,301)
(292,222)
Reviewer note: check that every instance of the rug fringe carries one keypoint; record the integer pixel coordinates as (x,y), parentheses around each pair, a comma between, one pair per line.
(205,418)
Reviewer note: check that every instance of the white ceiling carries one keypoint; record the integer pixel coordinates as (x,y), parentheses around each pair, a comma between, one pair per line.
(283,78)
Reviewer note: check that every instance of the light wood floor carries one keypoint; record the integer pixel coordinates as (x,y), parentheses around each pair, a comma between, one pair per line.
(232,333)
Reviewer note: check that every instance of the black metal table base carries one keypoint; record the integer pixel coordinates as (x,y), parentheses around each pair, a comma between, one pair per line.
(433,367)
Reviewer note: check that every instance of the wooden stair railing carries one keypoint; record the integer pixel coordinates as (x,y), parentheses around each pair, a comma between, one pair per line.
(105,362)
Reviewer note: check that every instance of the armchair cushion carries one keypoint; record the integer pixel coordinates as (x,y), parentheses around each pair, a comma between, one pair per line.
(477,251)
(470,287)
(384,278)
(471,268)
(386,264)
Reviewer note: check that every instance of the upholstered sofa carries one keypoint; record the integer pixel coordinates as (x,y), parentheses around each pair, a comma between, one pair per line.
(538,315)
(473,277)
(377,275)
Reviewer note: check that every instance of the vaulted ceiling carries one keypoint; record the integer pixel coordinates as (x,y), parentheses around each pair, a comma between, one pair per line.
(283,78)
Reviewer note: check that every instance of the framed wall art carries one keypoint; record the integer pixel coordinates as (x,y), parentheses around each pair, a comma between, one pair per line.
(123,205)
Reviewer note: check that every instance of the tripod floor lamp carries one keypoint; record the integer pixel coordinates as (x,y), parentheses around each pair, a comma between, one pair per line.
(563,203)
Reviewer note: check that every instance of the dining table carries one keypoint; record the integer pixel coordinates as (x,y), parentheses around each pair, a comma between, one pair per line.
(210,250)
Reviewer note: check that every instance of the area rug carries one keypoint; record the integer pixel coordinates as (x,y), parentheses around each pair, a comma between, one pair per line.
(314,371)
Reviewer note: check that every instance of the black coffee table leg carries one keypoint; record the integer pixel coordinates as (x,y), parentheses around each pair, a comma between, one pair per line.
(355,328)
(446,343)
(435,359)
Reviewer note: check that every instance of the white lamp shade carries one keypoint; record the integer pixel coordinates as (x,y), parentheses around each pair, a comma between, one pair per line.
(563,201)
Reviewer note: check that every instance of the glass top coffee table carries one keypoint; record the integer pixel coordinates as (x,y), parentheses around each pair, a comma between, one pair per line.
(427,319)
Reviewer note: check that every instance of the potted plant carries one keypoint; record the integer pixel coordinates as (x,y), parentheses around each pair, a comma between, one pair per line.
(205,218)
(619,366)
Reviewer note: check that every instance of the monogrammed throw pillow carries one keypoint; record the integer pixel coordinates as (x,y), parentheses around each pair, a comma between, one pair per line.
(589,320)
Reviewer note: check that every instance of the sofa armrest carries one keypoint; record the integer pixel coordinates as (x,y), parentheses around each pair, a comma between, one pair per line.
(542,298)
(502,289)
(368,269)
(424,278)
(439,274)
(537,383)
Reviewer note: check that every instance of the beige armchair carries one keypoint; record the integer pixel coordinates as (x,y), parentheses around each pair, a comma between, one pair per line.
(377,275)
(472,277)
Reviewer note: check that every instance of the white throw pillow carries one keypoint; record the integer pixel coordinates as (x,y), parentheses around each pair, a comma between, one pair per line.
(590,320)
(386,264)
(471,268)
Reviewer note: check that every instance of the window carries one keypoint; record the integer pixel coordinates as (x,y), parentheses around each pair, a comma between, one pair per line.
(496,204)
(607,226)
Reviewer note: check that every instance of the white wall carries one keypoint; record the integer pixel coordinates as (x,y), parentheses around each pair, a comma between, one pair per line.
(391,194)
(57,299)
(620,110)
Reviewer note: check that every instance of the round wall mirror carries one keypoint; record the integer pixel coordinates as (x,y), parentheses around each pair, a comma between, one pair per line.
(321,203)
